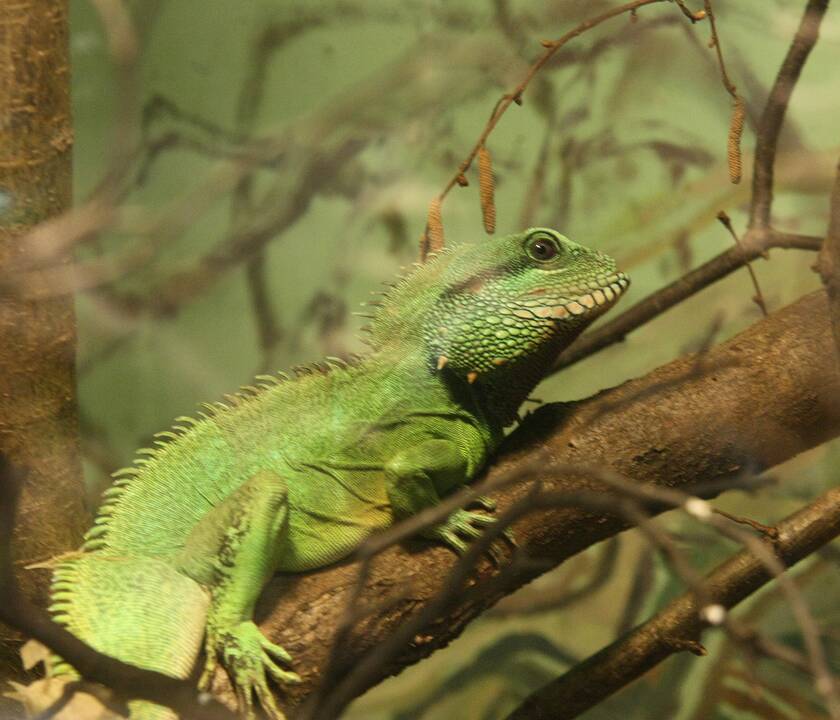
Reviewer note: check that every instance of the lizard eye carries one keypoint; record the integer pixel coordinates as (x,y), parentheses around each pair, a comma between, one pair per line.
(541,247)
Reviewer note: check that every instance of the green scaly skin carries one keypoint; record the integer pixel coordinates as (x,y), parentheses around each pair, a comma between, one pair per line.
(293,475)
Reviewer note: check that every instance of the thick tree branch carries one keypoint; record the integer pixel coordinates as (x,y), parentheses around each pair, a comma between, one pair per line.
(680,625)
(770,124)
(697,420)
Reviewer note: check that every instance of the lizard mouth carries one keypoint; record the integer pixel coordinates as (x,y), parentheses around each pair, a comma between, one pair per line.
(596,298)
(590,300)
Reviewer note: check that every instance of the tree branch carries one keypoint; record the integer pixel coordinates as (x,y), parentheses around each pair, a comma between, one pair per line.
(752,246)
(770,124)
(680,625)
(700,419)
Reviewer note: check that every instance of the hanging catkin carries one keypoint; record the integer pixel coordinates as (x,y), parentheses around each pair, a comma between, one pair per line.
(434,228)
(486,189)
(736,127)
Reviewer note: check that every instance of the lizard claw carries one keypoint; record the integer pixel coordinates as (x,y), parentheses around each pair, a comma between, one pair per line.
(462,526)
(248,656)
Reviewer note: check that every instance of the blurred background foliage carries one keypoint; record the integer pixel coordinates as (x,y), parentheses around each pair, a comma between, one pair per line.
(353,114)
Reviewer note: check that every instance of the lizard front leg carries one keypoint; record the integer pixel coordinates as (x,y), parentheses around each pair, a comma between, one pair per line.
(417,477)
(233,551)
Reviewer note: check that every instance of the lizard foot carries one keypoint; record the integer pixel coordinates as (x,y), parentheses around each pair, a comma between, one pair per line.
(247,655)
(463,525)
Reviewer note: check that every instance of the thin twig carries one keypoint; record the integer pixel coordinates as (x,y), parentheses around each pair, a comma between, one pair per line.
(758,298)
(771,532)
(773,115)
(724,76)
(515,94)
(598,677)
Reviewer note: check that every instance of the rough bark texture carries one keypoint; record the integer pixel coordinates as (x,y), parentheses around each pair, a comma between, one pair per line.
(753,402)
(38,423)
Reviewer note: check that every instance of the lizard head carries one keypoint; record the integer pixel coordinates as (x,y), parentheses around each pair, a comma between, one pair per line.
(496,313)
(515,302)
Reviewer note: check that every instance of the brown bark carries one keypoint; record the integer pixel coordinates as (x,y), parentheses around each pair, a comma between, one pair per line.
(38,419)
(753,402)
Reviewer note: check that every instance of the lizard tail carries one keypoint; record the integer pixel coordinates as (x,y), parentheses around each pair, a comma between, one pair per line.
(139,610)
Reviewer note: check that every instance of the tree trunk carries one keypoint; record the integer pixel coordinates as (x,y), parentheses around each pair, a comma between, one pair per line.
(38,417)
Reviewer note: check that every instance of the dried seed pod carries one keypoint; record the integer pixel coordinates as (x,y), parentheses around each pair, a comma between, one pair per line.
(736,128)
(434,229)
(486,189)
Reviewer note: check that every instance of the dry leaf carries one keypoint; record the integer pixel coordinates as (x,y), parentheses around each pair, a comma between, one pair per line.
(32,652)
(41,694)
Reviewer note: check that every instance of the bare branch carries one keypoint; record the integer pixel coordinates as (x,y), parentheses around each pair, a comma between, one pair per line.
(515,94)
(689,422)
(752,246)
(681,624)
(758,298)
(773,115)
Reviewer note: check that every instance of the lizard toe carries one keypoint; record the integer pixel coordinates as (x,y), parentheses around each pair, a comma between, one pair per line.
(284,677)
(249,658)
(275,651)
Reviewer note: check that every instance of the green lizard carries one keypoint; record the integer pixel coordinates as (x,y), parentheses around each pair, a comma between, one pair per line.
(185,540)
